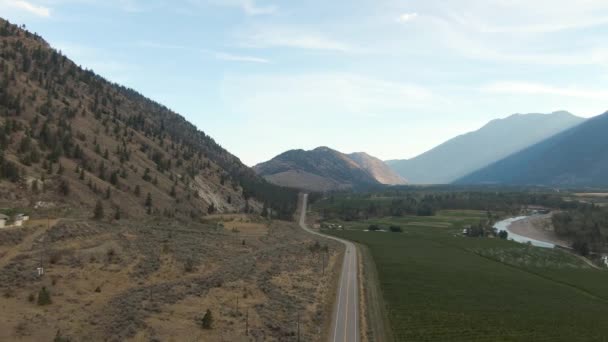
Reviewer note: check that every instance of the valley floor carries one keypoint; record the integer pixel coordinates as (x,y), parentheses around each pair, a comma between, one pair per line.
(144,281)
(438,285)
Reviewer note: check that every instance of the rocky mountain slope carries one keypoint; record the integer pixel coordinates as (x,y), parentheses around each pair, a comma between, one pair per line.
(577,157)
(70,138)
(469,152)
(324,169)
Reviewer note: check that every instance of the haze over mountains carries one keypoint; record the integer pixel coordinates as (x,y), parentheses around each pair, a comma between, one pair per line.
(469,152)
(324,169)
(577,157)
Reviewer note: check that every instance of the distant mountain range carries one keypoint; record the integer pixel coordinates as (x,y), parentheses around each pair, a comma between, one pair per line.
(467,153)
(576,157)
(324,169)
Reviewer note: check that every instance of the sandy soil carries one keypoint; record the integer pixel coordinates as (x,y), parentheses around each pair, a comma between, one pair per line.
(538,228)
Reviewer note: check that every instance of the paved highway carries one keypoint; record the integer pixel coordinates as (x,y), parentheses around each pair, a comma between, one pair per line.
(345,325)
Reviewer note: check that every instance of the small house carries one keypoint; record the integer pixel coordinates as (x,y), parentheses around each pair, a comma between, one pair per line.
(605,260)
(3,220)
(20,219)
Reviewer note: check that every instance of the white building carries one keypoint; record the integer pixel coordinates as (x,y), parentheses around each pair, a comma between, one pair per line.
(3,220)
(20,219)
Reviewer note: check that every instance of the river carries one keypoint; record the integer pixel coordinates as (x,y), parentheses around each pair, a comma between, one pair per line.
(504,226)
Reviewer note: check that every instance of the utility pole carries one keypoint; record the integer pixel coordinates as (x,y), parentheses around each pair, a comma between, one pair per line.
(247,323)
(298,326)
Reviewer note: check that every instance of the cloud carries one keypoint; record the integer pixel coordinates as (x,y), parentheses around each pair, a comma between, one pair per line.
(526,88)
(218,54)
(270,37)
(238,58)
(248,6)
(525,17)
(322,96)
(37,10)
(405,17)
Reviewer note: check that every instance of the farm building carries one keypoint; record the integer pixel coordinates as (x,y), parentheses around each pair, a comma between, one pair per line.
(3,220)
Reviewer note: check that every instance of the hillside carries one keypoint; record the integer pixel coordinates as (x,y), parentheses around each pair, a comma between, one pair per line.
(131,233)
(469,152)
(377,168)
(72,139)
(575,158)
(324,169)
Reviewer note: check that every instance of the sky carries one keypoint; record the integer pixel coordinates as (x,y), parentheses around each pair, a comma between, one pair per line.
(393,78)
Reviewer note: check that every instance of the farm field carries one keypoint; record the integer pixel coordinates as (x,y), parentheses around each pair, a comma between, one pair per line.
(441,286)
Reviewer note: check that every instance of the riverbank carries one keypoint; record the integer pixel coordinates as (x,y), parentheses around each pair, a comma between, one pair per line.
(537,227)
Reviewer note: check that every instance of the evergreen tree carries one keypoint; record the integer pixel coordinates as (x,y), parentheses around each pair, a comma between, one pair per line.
(98,212)
(44,297)
(207,321)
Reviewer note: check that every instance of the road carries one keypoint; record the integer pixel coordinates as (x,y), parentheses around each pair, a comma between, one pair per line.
(345,325)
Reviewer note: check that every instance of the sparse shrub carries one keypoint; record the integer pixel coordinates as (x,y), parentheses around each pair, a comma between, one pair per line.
(31,298)
(189,265)
(98,289)
(55,257)
(111,253)
(207,321)
(60,338)
(396,229)
(373,228)
(44,297)
(503,234)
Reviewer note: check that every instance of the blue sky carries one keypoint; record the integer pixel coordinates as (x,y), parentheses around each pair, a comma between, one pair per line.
(391,78)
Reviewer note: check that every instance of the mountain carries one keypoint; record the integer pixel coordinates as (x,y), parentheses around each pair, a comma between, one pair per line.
(376,168)
(577,157)
(324,169)
(472,151)
(71,138)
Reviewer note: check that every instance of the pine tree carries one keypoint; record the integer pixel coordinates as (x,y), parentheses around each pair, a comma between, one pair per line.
(207,321)
(44,297)
(98,213)
(148,203)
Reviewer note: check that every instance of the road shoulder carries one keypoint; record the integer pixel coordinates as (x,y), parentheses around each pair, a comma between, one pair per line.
(374,314)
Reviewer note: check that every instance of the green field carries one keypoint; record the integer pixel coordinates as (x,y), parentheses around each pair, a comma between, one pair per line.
(440,286)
